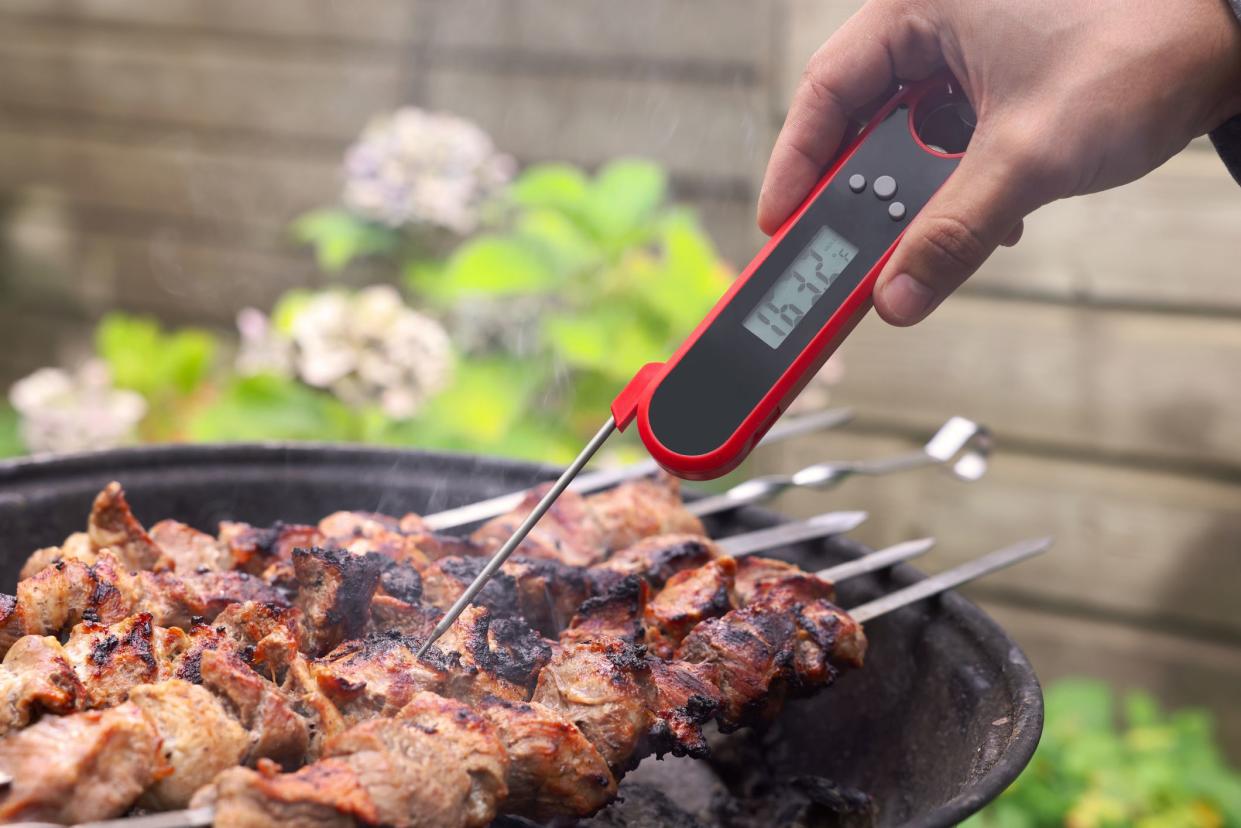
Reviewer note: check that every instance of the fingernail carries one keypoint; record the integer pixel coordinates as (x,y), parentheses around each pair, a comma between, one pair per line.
(906,298)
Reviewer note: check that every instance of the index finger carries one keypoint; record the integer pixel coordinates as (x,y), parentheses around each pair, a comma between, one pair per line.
(855,66)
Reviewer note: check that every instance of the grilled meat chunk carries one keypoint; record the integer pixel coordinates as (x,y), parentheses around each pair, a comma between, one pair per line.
(616,614)
(70,591)
(199,739)
(35,678)
(656,559)
(76,547)
(334,594)
(771,645)
(189,549)
(326,794)
(686,600)
(756,574)
(257,549)
(111,660)
(113,526)
(582,531)
(604,688)
(435,764)
(642,508)
(545,592)
(504,665)
(84,766)
(687,696)
(274,730)
(553,769)
(379,674)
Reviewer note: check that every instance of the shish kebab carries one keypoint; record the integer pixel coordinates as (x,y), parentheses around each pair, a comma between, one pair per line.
(701,413)
(440,714)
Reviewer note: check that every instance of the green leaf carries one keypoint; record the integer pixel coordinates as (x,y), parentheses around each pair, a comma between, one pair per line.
(265,407)
(143,358)
(560,241)
(613,340)
(485,400)
(339,237)
(688,281)
(624,197)
(560,187)
(489,265)
(10,434)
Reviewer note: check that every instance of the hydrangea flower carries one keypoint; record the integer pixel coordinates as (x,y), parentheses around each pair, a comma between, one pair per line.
(366,347)
(81,411)
(423,168)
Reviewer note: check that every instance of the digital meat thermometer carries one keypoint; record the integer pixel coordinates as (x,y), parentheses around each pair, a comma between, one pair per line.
(700,413)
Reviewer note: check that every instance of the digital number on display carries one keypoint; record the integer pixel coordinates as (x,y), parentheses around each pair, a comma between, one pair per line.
(800,287)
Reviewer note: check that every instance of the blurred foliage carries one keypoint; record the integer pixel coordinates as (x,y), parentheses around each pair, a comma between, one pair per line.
(10,437)
(617,277)
(1108,764)
(167,369)
(569,284)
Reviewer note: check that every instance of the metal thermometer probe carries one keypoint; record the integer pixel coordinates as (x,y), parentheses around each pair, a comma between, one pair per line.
(700,413)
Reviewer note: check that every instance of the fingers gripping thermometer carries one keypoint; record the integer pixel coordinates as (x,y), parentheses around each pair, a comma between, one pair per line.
(700,413)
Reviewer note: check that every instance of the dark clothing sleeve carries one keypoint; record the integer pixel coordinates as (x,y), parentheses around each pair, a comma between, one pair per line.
(1227,138)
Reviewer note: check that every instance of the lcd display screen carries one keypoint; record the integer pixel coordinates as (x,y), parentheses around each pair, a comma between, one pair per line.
(800,287)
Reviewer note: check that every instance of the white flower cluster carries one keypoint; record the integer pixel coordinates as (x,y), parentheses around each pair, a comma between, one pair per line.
(419,167)
(366,347)
(63,412)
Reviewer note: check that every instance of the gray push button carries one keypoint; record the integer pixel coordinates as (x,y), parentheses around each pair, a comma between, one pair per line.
(857,183)
(885,187)
(896,210)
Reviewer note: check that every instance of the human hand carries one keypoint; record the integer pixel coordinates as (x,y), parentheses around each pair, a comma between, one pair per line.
(1072,97)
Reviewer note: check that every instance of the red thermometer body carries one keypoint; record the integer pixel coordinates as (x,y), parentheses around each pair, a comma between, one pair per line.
(701,412)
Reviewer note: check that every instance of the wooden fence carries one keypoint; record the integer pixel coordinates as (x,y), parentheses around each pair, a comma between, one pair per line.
(152,155)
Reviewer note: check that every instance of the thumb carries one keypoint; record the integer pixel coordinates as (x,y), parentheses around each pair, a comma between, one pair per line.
(978,208)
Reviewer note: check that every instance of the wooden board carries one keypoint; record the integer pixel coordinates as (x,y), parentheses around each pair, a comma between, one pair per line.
(201,85)
(1138,544)
(1179,671)
(1149,384)
(712,30)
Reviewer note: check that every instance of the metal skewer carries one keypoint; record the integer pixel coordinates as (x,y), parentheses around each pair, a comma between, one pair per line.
(605,478)
(501,556)
(764,540)
(962,446)
(951,578)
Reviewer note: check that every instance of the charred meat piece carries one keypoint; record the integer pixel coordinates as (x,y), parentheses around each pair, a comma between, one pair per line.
(199,739)
(617,614)
(334,594)
(545,592)
(254,549)
(604,688)
(656,559)
(113,526)
(553,769)
(688,598)
(362,532)
(112,660)
(390,614)
(769,646)
(84,766)
(491,667)
(35,678)
(687,696)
